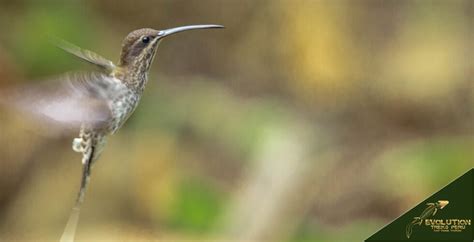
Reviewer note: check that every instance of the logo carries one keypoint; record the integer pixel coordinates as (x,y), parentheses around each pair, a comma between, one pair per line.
(446,215)
(427,213)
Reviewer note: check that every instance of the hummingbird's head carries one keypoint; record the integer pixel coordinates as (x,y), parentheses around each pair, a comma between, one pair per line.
(139,47)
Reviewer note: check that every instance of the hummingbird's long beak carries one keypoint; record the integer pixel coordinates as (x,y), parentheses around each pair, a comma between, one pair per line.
(167,32)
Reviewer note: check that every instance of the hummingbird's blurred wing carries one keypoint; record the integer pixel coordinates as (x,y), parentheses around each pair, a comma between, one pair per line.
(68,101)
(86,55)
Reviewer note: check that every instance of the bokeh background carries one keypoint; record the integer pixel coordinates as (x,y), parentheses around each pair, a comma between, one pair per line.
(303,120)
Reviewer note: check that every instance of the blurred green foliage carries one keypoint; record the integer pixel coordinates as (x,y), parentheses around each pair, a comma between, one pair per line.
(196,208)
(32,37)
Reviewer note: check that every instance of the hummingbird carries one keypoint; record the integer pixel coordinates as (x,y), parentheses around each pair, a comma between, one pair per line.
(98,102)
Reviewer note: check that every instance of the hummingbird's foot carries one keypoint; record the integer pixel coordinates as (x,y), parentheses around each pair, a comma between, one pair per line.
(77,145)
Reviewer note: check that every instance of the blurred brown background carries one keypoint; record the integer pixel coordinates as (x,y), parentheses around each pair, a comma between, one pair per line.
(301,121)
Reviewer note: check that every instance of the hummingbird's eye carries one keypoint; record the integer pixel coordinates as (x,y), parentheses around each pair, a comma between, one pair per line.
(146,39)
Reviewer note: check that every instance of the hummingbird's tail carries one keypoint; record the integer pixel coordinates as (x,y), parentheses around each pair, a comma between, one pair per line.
(89,144)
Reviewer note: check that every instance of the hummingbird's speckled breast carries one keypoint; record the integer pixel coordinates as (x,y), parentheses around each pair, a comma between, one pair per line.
(123,106)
